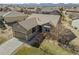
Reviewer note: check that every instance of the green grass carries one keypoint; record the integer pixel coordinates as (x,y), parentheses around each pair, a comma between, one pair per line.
(48,47)
(29,51)
(52,48)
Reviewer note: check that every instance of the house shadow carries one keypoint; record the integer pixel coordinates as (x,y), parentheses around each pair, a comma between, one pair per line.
(34,41)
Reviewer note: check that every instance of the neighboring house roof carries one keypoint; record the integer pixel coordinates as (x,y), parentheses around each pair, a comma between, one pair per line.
(14,16)
(2,13)
(49,9)
(39,19)
(75,42)
(13,13)
(73,15)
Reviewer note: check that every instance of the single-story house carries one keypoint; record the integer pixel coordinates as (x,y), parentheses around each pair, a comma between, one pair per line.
(13,16)
(2,13)
(34,24)
(73,15)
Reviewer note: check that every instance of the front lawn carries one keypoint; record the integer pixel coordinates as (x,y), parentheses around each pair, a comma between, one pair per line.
(24,50)
(48,47)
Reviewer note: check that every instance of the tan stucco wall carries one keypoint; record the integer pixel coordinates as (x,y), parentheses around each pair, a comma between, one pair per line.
(19,35)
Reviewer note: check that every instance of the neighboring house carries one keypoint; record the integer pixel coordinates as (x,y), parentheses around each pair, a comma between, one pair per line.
(73,15)
(34,24)
(2,13)
(51,10)
(10,17)
(75,24)
(6,9)
(12,8)
(13,16)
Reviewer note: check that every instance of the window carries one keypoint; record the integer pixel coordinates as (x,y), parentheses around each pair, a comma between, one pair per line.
(47,30)
(33,29)
(39,28)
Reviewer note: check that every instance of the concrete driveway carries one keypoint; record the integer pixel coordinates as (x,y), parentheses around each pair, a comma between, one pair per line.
(9,46)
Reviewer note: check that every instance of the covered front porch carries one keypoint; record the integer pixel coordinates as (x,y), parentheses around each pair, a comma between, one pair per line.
(36,34)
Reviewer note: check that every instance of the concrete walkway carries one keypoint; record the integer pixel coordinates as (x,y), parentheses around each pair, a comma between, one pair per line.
(8,47)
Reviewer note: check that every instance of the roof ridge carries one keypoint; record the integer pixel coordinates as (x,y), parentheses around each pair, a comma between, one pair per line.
(37,20)
(6,14)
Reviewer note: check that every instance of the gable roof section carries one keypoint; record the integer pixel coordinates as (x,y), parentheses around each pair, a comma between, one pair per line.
(29,23)
(13,14)
(54,20)
(39,19)
(73,15)
(2,13)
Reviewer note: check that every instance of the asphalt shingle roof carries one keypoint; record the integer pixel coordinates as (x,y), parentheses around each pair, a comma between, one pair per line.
(39,19)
